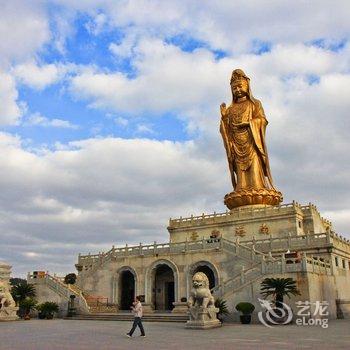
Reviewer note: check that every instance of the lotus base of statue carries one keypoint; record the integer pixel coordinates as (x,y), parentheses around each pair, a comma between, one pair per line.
(252,197)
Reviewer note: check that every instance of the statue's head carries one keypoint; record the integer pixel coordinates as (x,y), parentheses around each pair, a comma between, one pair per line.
(240,85)
(200,280)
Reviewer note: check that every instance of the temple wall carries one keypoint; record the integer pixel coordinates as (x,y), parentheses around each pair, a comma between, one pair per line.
(246,223)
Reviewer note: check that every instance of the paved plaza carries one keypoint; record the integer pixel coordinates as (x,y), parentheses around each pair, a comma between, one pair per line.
(106,335)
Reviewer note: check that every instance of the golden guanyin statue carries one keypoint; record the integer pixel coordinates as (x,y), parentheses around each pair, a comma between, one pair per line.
(242,127)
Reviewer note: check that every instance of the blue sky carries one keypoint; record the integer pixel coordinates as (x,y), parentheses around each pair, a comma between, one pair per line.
(109,116)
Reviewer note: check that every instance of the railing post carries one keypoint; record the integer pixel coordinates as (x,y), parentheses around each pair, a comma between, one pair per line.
(283,263)
(289,241)
(270,242)
(304,262)
(203,243)
(155,247)
(126,250)
(331,263)
(308,238)
(140,248)
(186,244)
(242,275)
(263,265)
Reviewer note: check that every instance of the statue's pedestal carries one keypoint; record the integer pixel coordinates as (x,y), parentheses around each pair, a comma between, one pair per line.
(203,318)
(8,313)
(252,197)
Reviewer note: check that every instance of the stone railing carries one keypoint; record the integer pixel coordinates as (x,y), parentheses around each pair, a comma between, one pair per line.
(271,266)
(91,263)
(229,215)
(237,282)
(250,249)
(300,242)
(57,285)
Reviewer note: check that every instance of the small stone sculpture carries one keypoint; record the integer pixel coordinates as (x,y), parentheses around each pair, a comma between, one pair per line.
(202,310)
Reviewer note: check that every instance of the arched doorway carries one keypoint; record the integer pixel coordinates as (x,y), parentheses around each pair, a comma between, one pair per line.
(163,288)
(126,289)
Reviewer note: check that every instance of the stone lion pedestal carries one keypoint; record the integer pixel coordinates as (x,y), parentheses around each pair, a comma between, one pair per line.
(202,311)
(203,318)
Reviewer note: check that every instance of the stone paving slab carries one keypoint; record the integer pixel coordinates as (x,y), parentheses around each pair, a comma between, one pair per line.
(108,335)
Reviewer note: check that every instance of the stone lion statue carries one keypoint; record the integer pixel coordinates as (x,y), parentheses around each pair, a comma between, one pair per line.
(200,293)
(6,300)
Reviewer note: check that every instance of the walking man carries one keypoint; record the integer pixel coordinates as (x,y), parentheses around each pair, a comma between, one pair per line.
(137,310)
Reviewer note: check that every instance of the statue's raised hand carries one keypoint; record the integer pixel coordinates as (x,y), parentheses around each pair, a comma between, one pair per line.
(223,109)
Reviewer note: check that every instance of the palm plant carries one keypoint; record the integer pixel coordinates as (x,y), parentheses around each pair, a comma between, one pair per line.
(221,305)
(22,291)
(27,305)
(278,288)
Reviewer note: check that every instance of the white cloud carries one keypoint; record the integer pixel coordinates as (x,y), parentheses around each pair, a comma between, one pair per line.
(38,119)
(10,111)
(144,129)
(121,121)
(24,29)
(37,77)
(126,189)
(85,196)
(235,27)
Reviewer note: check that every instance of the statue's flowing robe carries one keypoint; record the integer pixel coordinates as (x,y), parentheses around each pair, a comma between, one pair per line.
(245,146)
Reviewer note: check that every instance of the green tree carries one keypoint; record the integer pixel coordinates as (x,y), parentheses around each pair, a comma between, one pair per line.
(16,280)
(26,305)
(278,288)
(22,291)
(70,278)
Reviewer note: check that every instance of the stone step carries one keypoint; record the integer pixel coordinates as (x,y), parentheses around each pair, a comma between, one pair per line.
(128,317)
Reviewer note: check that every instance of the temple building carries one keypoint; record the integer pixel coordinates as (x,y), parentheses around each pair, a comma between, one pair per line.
(257,237)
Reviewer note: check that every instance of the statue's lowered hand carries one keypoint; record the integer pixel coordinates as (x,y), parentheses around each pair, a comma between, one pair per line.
(223,109)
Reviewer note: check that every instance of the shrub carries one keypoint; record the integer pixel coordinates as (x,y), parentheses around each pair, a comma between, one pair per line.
(48,308)
(26,305)
(245,308)
(70,278)
(221,305)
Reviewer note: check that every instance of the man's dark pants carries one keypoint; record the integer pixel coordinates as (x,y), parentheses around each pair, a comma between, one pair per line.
(137,322)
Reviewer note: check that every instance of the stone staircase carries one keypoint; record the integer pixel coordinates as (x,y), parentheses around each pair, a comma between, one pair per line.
(154,317)
(64,291)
